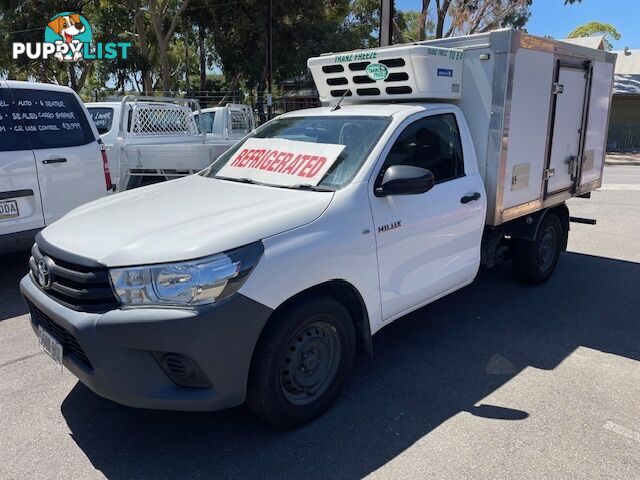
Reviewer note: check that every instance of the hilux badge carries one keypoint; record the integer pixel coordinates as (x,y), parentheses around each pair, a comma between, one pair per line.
(389,226)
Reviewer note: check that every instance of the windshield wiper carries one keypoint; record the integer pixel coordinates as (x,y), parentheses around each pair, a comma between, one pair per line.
(240,180)
(307,186)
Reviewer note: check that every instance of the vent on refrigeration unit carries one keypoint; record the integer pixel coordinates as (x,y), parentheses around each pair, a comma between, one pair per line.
(394,84)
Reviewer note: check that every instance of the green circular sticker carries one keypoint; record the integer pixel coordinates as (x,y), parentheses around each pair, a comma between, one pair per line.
(377,71)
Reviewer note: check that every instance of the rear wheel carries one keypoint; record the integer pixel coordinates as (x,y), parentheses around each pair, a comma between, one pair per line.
(534,262)
(301,362)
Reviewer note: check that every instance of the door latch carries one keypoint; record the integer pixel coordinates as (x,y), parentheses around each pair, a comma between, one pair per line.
(557,88)
(572,161)
(549,172)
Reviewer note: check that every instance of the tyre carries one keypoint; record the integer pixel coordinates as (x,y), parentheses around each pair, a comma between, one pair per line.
(534,262)
(301,362)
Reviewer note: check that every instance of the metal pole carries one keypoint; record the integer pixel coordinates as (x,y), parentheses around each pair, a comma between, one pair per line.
(386,22)
(270,63)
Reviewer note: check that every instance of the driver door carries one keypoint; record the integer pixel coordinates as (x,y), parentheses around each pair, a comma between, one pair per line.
(428,244)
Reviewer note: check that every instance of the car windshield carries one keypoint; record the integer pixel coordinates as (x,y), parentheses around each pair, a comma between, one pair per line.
(358,135)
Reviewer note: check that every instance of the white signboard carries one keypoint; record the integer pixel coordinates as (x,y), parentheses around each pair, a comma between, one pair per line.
(281,162)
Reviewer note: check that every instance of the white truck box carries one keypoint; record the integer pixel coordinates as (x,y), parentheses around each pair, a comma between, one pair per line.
(537,108)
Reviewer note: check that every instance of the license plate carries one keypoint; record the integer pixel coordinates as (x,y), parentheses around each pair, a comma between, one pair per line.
(9,209)
(50,346)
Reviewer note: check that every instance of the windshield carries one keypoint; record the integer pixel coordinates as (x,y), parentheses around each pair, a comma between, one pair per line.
(358,135)
(102,117)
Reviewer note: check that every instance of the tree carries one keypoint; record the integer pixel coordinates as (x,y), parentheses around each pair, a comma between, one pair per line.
(593,28)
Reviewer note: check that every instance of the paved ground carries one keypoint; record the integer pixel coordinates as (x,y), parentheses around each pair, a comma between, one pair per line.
(499,380)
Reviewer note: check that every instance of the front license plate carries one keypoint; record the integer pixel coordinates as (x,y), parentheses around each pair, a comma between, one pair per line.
(9,209)
(50,346)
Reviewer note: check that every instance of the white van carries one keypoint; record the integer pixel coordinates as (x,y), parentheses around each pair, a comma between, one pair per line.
(50,159)
(258,279)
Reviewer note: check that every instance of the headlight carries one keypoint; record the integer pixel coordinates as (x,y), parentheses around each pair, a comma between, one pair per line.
(194,282)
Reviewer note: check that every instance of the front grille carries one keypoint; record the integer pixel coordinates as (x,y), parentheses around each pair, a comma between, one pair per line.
(80,288)
(61,334)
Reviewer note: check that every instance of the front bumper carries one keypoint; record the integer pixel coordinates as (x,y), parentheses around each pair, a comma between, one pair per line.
(121,348)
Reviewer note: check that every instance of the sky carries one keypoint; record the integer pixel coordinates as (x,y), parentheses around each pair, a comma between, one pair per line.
(553,17)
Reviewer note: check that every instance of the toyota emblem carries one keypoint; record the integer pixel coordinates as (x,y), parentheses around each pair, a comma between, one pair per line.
(44,274)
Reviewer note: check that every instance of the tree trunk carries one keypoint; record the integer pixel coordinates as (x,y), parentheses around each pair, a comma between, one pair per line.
(442,15)
(187,27)
(423,20)
(163,50)
(203,59)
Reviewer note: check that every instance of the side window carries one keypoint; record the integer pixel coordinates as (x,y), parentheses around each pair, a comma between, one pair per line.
(239,122)
(12,133)
(52,119)
(207,121)
(432,143)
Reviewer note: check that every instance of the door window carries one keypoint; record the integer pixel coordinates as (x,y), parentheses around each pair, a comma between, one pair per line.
(12,134)
(52,119)
(207,121)
(433,143)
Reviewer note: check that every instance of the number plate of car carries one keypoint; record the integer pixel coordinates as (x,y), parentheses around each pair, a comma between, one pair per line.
(50,346)
(9,209)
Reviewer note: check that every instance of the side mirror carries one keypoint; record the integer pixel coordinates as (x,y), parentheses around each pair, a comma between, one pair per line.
(405,180)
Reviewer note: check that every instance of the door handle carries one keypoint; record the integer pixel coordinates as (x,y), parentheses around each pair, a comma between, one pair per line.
(54,160)
(470,198)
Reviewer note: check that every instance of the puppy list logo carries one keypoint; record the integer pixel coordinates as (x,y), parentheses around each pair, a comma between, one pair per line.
(68,37)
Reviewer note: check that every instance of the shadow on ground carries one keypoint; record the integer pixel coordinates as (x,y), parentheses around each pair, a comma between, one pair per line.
(13,267)
(429,366)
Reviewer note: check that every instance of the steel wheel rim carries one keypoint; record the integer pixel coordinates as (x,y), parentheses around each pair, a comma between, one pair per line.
(310,363)
(547,250)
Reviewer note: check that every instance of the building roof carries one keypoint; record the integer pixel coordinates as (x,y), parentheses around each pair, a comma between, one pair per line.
(627,73)
(628,62)
(596,41)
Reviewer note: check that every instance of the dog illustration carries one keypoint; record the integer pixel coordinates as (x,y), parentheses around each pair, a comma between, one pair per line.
(68,26)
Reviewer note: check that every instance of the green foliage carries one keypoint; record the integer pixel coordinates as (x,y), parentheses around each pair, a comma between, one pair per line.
(593,28)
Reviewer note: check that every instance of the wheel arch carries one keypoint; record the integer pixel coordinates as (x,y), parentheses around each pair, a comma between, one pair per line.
(348,295)
(526,227)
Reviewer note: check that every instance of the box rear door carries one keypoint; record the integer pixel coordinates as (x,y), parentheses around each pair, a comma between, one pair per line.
(67,154)
(20,206)
(570,90)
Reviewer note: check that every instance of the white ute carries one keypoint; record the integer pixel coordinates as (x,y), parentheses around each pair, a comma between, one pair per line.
(50,159)
(257,279)
(151,139)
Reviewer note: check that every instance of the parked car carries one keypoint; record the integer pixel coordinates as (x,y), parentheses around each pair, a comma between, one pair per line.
(50,159)
(151,139)
(258,279)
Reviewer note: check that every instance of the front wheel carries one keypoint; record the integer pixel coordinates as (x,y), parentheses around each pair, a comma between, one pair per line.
(302,360)
(534,262)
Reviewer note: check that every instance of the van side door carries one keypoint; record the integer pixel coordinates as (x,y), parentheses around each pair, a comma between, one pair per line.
(428,244)
(67,153)
(20,206)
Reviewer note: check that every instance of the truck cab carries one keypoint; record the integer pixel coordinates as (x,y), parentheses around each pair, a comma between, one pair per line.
(230,122)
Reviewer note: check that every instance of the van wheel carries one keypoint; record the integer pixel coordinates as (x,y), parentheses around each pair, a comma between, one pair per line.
(301,362)
(534,262)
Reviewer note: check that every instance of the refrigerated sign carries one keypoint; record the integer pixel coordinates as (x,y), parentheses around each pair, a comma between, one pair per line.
(279,161)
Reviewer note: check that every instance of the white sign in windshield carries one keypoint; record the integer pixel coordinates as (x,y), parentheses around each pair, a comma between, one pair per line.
(278,161)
